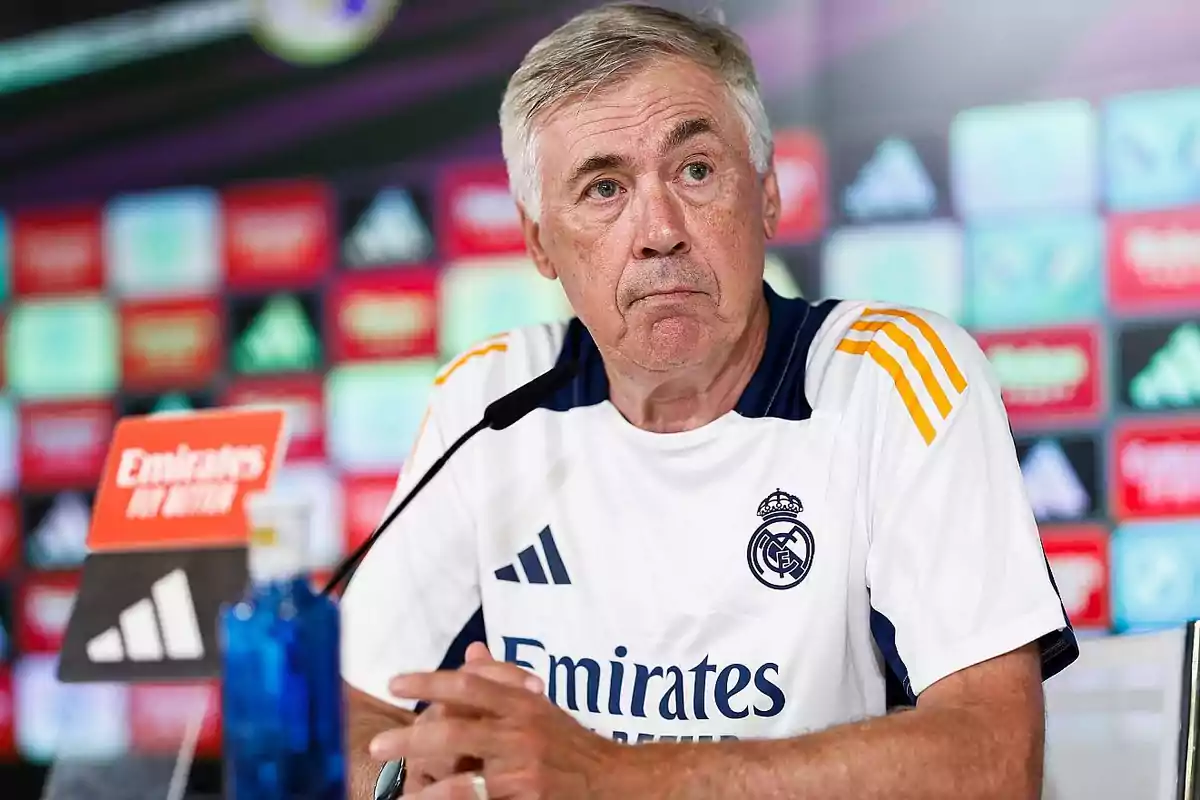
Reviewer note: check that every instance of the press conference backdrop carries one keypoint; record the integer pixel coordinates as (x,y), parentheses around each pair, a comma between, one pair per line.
(202,222)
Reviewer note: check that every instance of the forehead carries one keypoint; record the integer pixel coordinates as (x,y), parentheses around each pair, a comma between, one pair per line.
(635,116)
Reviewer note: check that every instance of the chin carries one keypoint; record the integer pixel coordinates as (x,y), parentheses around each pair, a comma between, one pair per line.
(674,342)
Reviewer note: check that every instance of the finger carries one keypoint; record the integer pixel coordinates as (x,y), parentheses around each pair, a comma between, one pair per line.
(478,651)
(436,742)
(500,786)
(422,773)
(414,782)
(461,692)
(505,673)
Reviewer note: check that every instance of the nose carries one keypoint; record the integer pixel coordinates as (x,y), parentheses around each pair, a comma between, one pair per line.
(662,230)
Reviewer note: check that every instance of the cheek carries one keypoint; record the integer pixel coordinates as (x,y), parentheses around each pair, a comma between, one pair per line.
(589,262)
(591,253)
(731,235)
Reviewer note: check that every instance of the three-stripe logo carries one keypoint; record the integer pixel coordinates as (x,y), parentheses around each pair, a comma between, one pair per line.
(160,627)
(531,564)
(910,358)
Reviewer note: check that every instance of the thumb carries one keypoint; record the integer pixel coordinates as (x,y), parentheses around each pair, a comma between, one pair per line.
(478,652)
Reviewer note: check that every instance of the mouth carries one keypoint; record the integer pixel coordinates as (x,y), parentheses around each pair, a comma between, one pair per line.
(669,293)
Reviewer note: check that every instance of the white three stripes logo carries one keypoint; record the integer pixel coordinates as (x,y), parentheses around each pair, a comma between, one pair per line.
(162,626)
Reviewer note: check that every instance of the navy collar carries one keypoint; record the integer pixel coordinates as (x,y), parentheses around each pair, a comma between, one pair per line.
(775,390)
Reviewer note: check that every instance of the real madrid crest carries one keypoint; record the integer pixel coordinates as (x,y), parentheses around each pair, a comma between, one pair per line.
(780,553)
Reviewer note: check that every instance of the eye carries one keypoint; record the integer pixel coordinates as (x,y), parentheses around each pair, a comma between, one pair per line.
(697,171)
(605,189)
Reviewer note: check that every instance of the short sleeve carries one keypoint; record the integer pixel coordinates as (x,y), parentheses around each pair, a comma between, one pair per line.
(955,565)
(413,604)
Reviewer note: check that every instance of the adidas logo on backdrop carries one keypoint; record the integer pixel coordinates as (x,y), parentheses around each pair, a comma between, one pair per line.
(1171,379)
(893,183)
(391,231)
(1054,489)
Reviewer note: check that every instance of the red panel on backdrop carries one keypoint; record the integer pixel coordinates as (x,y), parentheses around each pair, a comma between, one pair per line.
(278,234)
(8,749)
(57,252)
(365,502)
(1154,260)
(160,713)
(44,603)
(303,397)
(1078,556)
(1048,376)
(382,316)
(477,215)
(802,170)
(170,345)
(10,536)
(63,444)
(1155,466)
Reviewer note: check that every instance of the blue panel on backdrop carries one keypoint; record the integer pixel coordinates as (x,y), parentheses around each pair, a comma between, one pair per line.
(1152,150)
(1024,158)
(1034,271)
(1156,574)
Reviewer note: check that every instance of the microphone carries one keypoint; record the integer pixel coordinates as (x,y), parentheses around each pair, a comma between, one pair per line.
(500,414)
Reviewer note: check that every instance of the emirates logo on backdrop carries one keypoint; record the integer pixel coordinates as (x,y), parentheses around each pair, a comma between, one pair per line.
(376,317)
(175,345)
(57,251)
(44,608)
(366,503)
(1157,469)
(478,213)
(1154,260)
(1047,376)
(802,171)
(64,444)
(10,536)
(7,714)
(1079,561)
(278,234)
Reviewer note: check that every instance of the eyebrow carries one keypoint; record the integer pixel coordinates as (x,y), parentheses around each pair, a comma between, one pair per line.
(601,163)
(685,130)
(681,133)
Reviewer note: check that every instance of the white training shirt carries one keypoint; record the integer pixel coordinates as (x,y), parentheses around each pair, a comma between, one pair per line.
(861,510)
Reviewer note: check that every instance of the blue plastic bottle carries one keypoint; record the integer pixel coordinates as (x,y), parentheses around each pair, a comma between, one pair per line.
(282,698)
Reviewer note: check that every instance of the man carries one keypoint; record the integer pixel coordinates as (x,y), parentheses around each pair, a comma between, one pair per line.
(718,539)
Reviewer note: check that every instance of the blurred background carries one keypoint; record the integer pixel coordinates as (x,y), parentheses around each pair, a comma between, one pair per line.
(212,202)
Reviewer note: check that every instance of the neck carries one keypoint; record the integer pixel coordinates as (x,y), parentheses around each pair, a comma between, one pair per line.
(676,401)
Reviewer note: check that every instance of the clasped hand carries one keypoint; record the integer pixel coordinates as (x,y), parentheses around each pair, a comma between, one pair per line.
(490,718)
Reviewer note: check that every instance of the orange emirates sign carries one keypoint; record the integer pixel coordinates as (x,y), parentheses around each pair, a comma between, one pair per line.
(179,480)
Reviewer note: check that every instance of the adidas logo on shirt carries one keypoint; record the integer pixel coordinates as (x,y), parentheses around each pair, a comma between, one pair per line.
(391,231)
(892,183)
(160,627)
(1054,490)
(534,567)
(1172,377)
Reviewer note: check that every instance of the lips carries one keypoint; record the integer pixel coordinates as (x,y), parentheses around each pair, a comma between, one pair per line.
(672,292)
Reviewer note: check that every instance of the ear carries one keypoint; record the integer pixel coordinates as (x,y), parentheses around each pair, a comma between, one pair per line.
(771,203)
(531,230)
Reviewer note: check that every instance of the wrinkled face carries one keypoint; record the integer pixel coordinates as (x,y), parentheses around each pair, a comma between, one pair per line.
(653,217)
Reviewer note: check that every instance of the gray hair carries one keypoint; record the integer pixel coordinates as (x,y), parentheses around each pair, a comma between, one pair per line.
(599,49)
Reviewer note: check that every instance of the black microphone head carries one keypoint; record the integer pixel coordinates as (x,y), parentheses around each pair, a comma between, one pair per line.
(510,408)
